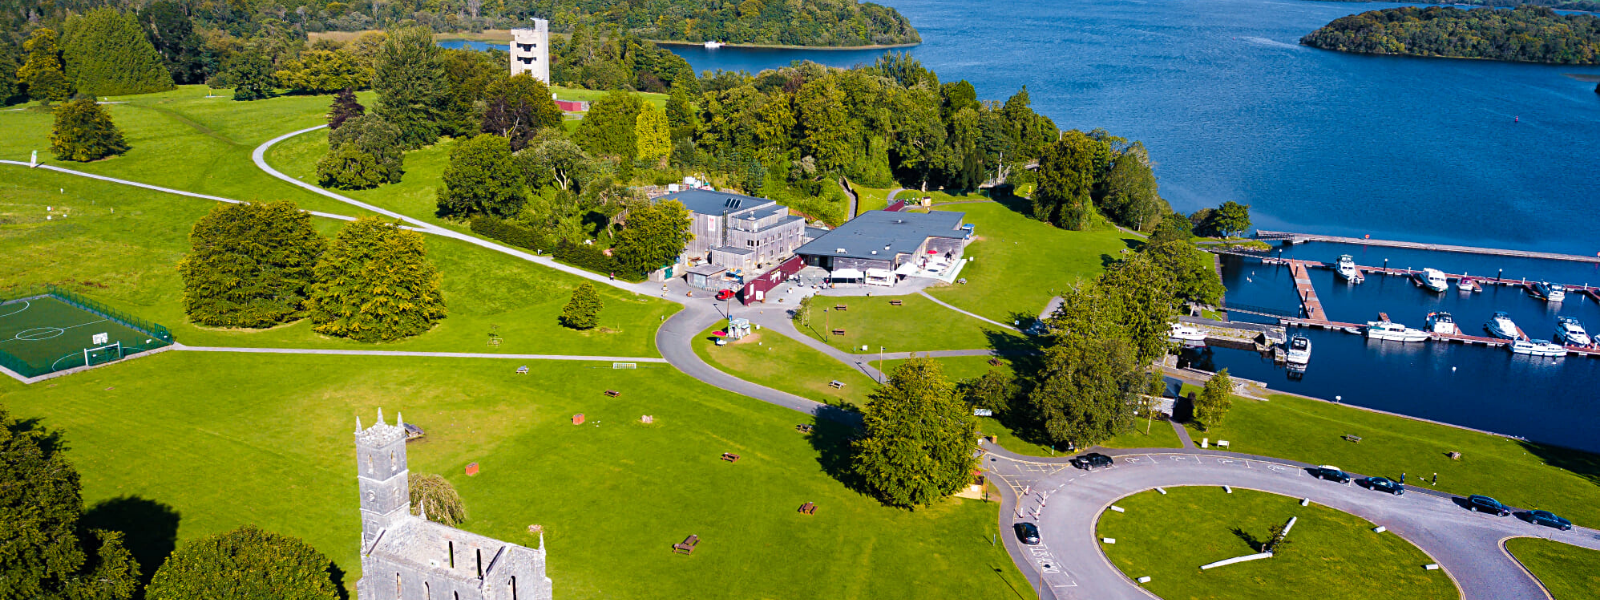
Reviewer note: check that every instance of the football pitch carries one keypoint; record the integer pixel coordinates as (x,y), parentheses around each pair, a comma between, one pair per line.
(44,334)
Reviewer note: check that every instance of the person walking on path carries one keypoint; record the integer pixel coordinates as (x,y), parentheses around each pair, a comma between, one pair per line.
(1402,478)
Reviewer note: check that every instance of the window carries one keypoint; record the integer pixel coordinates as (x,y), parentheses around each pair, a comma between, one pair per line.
(369,464)
(392,464)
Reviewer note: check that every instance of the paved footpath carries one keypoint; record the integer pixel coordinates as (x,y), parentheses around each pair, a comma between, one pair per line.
(624,359)
(1066,503)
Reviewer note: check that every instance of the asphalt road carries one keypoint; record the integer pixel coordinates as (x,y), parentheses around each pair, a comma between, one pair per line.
(1066,503)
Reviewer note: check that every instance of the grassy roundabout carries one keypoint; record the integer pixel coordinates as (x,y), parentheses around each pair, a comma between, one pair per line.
(1330,554)
(775,361)
(1567,572)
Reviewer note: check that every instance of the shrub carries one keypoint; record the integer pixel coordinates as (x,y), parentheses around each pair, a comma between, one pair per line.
(364,152)
(498,229)
(107,54)
(84,132)
(247,563)
(593,259)
(348,168)
(250,265)
(655,234)
(583,311)
(375,283)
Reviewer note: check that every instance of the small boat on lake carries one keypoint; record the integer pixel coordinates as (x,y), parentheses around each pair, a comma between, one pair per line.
(1571,331)
(1538,348)
(1468,284)
(713,45)
(1442,322)
(1433,279)
(1551,292)
(1501,326)
(1394,332)
(1299,350)
(1346,269)
(1185,333)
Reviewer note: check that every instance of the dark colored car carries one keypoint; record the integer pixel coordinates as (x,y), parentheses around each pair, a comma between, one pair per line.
(1549,519)
(1027,533)
(1383,484)
(1091,461)
(1488,505)
(1330,473)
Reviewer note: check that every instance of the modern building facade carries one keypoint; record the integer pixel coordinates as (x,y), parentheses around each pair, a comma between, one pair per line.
(530,51)
(408,557)
(736,231)
(879,245)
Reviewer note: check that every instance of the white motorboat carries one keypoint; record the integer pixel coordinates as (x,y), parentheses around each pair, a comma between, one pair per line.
(1571,331)
(1185,333)
(713,45)
(1538,348)
(1551,292)
(1299,350)
(1442,322)
(1433,279)
(1346,269)
(1394,332)
(1502,327)
(1467,284)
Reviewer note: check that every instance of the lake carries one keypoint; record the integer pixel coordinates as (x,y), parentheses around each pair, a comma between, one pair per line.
(1232,108)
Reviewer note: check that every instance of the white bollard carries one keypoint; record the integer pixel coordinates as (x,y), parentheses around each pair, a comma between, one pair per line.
(1109,540)
(1163,492)
(1145,579)
(1205,442)
(1431,566)
(1379,529)
(1305,501)
(1117,508)
(1229,489)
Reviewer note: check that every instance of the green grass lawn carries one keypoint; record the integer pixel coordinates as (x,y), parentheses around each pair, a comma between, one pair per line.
(121,245)
(416,195)
(775,361)
(1522,474)
(916,325)
(566,93)
(1567,572)
(1330,554)
(223,440)
(1019,263)
(870,198)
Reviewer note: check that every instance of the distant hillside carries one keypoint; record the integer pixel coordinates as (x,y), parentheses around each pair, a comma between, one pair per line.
(1585,5)
(1524,34)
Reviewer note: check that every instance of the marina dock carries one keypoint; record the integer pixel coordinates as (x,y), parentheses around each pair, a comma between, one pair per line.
(1300,238)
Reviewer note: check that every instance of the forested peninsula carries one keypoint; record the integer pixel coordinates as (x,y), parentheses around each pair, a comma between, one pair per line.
(822,23)
(1588,5)
(1523,34)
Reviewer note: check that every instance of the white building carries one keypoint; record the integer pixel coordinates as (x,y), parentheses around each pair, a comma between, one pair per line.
(530,51)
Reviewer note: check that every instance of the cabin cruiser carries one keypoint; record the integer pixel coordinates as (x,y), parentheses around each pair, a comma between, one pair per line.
(1433,279)
(1390,330)
(1538,348)
(1551,292)
(1346,269)
(1467,284)
(1185,333)
(1501,326)
(1299,350)
(1571,331)
(713,45)
(1442,322)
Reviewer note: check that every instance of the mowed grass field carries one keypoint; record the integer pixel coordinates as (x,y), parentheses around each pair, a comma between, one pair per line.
(773,360)
(916,325)
(1567,572)
(226,439)
(1330,554)
(1522,474)
(121,245)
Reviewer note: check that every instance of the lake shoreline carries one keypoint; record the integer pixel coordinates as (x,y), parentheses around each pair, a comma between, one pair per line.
(784,47)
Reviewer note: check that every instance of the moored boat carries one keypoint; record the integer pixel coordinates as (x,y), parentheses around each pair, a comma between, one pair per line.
(1501,326)
(1571,331)
(1551,292)
(1346,269)
(713,45)
(1468,284)
(1433,279)
(1299,350)
(1538,348)
(1394,332)
(1442,322)
(1184,333)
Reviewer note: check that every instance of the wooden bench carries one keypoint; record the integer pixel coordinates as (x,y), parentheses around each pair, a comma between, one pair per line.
(836,384)
(840,307)
(838,332)
(730,457)
(803,428)
(1352,438)
(687,545)
(994,362)
(895,303)
(613,393)
(808,509)
(522,370)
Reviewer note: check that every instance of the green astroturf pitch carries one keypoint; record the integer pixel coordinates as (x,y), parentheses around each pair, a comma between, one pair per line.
(45,334)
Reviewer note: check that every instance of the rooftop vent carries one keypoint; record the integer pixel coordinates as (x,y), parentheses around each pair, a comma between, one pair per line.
(899,221)
(874,251)
(841,251)
(733,203)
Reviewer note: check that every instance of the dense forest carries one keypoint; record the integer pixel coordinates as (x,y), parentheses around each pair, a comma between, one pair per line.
(1586,5)
(1523,34)
(773,22)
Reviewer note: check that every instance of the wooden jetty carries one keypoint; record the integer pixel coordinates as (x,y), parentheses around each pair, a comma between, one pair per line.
(1592,291)
(1298,238)
(1309,304)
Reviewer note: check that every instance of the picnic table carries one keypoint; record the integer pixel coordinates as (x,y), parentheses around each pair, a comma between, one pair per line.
(730,457)
(808,509)
(895,303)
(841,307)
(838,332)
(803,428)
(687,545)
(613,393)
(1352,438)
(522,370)
(836,384)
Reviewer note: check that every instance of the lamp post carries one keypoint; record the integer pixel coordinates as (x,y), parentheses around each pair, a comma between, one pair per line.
(880,365)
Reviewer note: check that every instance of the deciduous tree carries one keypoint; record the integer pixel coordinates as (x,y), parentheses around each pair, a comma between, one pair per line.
(44,74)
(376,284)
(171,33)
(608,129)
(434,497)
(364,152)
(1230,219)
(482,178)
(920,439)
(583,310)
(247,563)
(518,108)
(825,130)
(84,132)
(993,390)
(323,72)
(250,265)
(654,140)
(1214,401)
(655,234)
(251,76)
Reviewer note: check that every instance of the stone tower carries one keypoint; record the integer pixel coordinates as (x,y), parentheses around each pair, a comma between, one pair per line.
(530,51)
(381,472)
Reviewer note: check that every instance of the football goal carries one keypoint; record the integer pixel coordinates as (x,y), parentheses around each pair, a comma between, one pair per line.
(102,354)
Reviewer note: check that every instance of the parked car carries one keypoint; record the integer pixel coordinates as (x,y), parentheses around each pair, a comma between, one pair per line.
(1548,519)
(725,294)
(1383,484)
(1091,461)
(1330,473)
(1027,533)
(1488,505)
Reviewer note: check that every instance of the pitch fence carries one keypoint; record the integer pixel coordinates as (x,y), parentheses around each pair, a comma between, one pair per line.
(153,330)
(160,336)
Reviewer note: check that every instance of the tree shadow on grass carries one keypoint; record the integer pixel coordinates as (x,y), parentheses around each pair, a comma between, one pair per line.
(1578,462)
(834,442)
(149,528)
(1248,538)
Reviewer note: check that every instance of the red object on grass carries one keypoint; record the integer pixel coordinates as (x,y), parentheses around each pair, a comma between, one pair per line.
(719,333)
(472,469)
(577,419)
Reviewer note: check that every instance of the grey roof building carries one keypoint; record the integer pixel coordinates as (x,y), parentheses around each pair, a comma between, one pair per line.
(879,242)
(407,557)
(738,231)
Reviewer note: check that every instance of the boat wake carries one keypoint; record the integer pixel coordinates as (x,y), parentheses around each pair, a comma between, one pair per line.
(1274,43)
